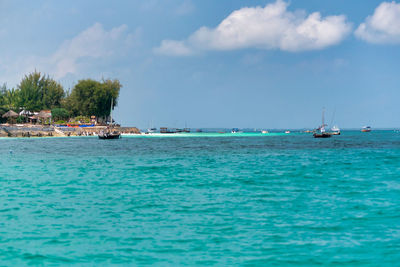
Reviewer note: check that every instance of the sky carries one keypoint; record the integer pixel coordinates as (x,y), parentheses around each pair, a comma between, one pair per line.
(226,63)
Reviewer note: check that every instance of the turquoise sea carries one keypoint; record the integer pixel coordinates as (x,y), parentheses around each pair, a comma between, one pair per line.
(205,199)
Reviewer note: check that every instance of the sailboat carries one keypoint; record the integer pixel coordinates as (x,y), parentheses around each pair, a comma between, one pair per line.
(320,132)
(110,133)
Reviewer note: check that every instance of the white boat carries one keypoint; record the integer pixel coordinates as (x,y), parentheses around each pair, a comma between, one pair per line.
(236,130)
(264,132)
(335,130)
(151,130)
(287,132)
(366,129)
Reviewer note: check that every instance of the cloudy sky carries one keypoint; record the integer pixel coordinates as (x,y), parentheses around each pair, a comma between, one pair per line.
(226,63)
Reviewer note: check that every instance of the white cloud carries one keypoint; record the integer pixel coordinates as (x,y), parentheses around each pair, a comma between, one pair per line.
(269,27)
(73,55)
(383,26)
(173,48)
(94,42)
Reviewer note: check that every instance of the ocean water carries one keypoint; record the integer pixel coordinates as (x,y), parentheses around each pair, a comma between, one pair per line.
(248,200)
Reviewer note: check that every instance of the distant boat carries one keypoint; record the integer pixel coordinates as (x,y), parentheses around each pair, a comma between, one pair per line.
(236,130)
(335,130)
(110,133)
(168,130)
(366,129)
(264,132)
(320,132)
(287,132)
(151,130)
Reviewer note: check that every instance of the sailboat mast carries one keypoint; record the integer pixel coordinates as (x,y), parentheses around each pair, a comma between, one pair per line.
(111,111)
(323,117)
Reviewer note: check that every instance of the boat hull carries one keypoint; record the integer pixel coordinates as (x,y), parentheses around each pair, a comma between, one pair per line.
(109,136)
(322,135)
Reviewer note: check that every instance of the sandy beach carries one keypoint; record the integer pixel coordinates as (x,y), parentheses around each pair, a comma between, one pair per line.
(31,130)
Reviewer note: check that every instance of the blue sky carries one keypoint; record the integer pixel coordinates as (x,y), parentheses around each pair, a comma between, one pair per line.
(225,63)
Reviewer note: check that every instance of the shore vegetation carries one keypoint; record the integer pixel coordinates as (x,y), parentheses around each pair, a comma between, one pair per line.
(37,92)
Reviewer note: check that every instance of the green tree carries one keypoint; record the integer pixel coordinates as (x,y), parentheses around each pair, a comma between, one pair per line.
(37,91)
(11,99)
(52,94)
(59,114)
(90,97)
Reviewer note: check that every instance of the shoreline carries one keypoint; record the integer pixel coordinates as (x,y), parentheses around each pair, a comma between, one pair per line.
(35,131)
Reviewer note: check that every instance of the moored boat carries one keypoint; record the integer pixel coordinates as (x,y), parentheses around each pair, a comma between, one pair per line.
(322,135)
(320,132)
(335,130)
(366,129)
(236,130)
(110,132)
(166,130)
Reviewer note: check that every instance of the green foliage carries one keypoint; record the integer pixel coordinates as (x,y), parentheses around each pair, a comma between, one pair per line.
(81,119)
(90,97)
(59,114)
(38,92)
(3,110)
(20,119)
(60,122)
(9,98)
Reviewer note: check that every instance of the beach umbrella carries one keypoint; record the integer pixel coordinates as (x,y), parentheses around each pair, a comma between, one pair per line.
(10,114)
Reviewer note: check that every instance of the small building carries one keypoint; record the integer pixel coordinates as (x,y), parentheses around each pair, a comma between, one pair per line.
(45,116)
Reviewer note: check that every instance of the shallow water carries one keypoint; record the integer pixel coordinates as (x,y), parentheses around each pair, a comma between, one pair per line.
(239,200)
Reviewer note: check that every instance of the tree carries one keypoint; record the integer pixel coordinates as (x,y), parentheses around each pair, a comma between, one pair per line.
(90,97)
(11,99)
(59,114)
(37,92)
(52,94)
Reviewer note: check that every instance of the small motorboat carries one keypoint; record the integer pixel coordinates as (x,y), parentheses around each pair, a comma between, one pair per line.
(335,130)
(366,129)
(236,130)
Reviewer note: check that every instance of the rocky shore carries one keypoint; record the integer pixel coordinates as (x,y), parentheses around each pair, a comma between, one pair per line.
(27,130)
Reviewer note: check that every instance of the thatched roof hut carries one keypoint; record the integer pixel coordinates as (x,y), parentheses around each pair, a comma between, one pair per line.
(10,114)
